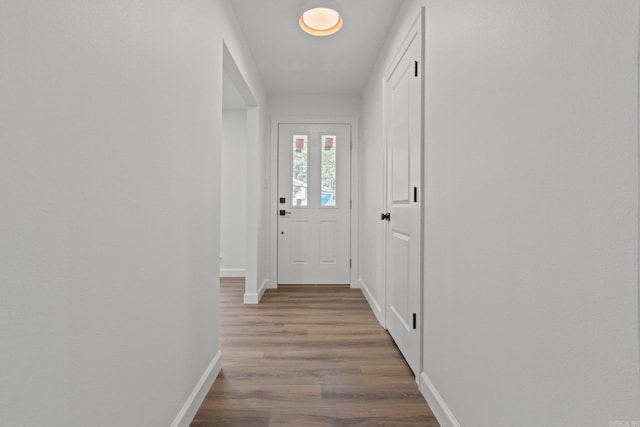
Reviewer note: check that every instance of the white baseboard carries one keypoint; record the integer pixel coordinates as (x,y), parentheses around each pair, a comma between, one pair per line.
(254,298)
(191,406)
(233,272)
(375,307)
(436,403)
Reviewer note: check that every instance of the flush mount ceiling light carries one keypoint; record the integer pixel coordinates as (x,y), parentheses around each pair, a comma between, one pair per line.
(320,18)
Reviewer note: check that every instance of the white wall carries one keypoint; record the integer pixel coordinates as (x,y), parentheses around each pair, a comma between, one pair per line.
(258,243)
(233,212)
(110,129)
(531,244)
(314,105)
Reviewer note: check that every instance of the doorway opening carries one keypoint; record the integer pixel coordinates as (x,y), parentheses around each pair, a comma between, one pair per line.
(238,210)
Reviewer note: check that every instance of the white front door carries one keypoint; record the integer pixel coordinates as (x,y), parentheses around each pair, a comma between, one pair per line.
(403,201)
(314,202)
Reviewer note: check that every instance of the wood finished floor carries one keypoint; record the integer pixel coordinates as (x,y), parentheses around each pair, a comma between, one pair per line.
(308,357)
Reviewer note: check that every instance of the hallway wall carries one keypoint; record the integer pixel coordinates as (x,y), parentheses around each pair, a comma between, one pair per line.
(300,104)
(531,224)
(110,130)
(233,210)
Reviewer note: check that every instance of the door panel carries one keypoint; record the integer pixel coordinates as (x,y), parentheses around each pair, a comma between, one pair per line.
(314,186)
(400,95)
(328,237)
(300,241)
(403,235)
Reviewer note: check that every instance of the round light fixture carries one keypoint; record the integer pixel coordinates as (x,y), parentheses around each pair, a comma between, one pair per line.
(320,18)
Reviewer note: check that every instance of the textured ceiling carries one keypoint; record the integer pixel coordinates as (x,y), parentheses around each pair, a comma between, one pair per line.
(291,61)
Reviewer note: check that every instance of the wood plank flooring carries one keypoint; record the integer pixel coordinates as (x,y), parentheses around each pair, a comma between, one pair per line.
(308,357)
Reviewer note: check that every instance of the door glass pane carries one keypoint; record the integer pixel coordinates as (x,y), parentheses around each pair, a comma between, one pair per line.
(300,166)
(328,194)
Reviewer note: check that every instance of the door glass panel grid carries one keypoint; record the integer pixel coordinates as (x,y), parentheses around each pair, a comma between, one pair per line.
(300,171)
(328,174)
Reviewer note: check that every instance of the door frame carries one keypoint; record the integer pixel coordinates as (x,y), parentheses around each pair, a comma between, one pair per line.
(252,289)
(273,192)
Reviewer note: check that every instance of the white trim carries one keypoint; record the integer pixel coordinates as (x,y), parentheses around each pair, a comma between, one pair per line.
(254,298)
(439,408)
(232,272)
(273,205)
(355,203)
(254,202)
(191,406)
(373,303)
(638,205)
(423,186)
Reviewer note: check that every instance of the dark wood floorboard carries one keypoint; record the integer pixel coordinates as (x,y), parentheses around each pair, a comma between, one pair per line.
(308,357)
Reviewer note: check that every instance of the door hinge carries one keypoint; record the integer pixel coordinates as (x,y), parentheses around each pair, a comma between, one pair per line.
(350,144)
(415,68)
(415,322)
(350,204)
(415,194)
(350,263)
